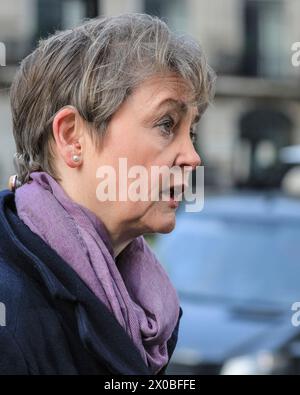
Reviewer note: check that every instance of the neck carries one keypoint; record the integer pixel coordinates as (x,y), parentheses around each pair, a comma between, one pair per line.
(119,235)
(118,232)
(118,248)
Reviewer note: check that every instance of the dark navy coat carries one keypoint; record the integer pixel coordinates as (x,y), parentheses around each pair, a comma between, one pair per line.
(50,321)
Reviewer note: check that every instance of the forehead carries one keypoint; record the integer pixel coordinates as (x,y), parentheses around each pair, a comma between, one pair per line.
(162,87)
(157,94)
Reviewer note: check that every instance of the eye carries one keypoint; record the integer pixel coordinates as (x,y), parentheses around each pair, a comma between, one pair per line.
(166,126)
(193,135)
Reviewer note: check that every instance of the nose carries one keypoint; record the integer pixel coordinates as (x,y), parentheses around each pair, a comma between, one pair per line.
(188,156)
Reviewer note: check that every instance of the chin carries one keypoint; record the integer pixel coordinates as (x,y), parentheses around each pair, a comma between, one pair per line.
(167,225)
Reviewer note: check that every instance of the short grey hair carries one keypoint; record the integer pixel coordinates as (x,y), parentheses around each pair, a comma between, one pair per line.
(95,67)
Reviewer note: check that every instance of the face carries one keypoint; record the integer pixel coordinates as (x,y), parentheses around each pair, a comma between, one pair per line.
(153,127)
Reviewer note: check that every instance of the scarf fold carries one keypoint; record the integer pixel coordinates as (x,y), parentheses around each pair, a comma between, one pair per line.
(134,287)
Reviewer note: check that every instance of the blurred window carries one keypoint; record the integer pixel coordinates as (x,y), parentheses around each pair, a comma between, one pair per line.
(265,154)
(72,13)
(63,14)
(264,34)
(172,11)
(266,130)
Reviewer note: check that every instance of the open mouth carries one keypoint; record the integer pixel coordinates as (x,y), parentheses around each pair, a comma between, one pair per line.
(174,193)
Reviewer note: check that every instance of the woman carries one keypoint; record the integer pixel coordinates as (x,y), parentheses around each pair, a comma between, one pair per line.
(83,292)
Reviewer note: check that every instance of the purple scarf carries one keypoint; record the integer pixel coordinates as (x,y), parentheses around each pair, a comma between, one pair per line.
(135,289)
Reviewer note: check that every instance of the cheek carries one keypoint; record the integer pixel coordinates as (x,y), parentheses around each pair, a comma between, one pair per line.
(143,151)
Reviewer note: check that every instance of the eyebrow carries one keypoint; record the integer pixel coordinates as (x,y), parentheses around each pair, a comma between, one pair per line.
(178,105)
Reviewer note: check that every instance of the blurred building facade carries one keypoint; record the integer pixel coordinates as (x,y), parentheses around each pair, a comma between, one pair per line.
(248,42)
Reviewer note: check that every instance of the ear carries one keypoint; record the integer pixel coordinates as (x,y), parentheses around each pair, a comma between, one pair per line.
(67,133)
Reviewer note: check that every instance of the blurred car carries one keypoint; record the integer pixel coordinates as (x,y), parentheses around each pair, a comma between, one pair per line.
(236,267)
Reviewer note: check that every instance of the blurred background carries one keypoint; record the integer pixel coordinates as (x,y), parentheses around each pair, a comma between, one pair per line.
(236,265)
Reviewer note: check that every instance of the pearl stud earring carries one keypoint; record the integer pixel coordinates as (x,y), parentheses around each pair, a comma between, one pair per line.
(76,158)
